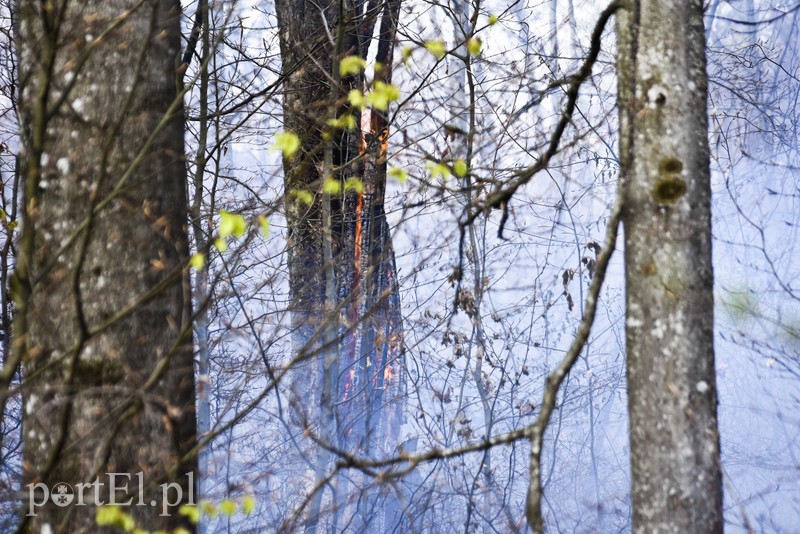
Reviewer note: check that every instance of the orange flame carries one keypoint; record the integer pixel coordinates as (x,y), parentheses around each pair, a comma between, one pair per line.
(388,373)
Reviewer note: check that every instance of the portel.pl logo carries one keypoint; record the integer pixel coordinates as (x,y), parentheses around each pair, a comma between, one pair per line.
(89,493)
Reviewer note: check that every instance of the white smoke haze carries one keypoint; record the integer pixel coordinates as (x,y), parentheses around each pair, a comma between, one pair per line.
(477,352)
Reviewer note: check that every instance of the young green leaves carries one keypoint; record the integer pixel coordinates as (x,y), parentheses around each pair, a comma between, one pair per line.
(438,170)
(354,184)
(331,186)
(226,507)
(286,142)
(460,168)
(303,196)
(197,261)
(474,45)
(114,516)
(231,225)
(443,171)
(379,97)
(398,173)
(351,65)
(345,122)
(436,47)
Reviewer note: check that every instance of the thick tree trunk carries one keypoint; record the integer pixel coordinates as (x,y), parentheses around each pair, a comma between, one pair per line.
(343,287)
(676,482)
(104,321)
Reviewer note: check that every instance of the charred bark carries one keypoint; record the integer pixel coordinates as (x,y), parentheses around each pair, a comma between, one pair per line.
(343,285)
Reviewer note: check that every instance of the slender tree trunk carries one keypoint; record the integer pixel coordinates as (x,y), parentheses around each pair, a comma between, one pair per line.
(104,304)
(670,323)
(201,234)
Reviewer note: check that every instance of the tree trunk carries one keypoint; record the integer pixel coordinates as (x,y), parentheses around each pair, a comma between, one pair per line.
(104,304)
(343,286)
(676,482)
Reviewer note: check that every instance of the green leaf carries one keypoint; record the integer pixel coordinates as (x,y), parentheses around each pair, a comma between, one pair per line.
(287,142)
(231,224)
(197,261)
(248,504)
(107,515)
(354,184)
(227,507)
(437,170)
(346,121)
(399,174)
(220,244)
(128,523)
(474,46)
(263,223)
(191,512)
(113,516)
(303,196)
(493,19)
(436,47)
(351,65)
(405,53)
(460,168)
(356,99)
(331,186)
(392,91)
(381,94)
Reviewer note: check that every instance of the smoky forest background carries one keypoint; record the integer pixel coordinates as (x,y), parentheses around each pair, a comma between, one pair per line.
(394,266)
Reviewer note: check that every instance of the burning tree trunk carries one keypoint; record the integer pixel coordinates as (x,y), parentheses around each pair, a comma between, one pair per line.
(670,324)
(104,324)
(343,285)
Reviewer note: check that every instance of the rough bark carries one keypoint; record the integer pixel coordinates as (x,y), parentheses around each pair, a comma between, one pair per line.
(307,64)
(343,286)
(676,482)
(103,298)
